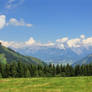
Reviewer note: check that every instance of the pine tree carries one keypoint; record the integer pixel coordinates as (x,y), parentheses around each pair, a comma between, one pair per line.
(7,73)
(58,69)
(77,70)
(26,71)
(13,69)
(20,70)
(54,70)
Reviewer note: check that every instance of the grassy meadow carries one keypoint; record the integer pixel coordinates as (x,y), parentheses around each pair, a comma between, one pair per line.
(51,84)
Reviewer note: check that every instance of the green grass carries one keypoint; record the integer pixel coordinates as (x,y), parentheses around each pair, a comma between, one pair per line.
(52,84)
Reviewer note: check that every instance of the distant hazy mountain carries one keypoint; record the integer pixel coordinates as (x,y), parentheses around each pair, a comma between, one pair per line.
(85,60)
(56,55)
(53,55)
(8,55)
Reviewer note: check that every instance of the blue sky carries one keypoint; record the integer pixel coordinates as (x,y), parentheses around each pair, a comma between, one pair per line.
(50,19)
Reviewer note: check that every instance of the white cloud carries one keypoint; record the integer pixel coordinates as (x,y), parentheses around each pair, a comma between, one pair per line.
(13,3)
(49,44)
(31,41)
(12,22)
(82,36)
(62,39)
(74,42)
(87,42)
(11,44)
(28,25)
(16,22)
(60,46)
(2,21)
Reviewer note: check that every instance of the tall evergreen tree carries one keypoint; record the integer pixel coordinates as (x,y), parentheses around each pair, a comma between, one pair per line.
(13,69)
(20,70)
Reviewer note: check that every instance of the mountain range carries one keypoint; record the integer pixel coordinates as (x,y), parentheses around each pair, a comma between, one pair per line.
(56,55)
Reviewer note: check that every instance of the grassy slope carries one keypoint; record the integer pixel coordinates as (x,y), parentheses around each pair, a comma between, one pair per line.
(56,84)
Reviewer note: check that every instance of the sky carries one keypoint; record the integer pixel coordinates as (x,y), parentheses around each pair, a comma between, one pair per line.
(44,20)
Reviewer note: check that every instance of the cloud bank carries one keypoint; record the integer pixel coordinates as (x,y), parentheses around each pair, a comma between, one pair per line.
(61,43)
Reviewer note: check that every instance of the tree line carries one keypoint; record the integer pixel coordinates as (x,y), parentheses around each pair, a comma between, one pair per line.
(22,70)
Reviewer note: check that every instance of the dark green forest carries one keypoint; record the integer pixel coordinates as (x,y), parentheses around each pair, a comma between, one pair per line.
(22,70)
